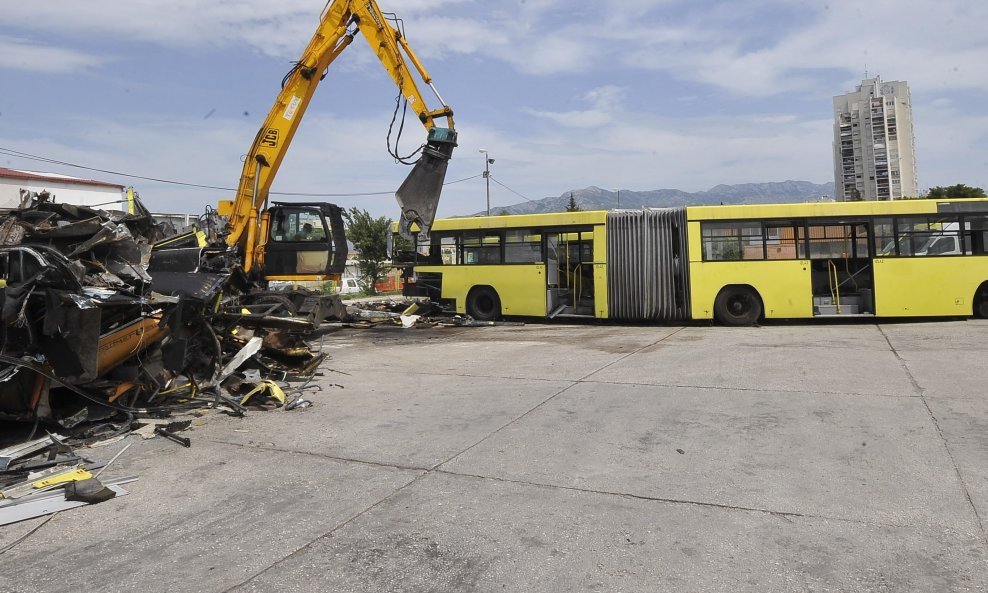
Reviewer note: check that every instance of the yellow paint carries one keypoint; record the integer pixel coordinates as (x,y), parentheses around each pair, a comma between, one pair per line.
(266,386)
(784,285)
(904,286)
(305,278)
(520,287)
(521,221)
(810,209)
(72,475)
(928,286)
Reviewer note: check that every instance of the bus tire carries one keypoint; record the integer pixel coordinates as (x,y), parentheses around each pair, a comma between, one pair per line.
(483,304)
(981,302)
(738,305)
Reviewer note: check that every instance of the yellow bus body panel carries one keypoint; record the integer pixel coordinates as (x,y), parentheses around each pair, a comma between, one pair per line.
(521,288)
(554,219)
(784,285)
(600,271)
(904,286)
(928,286)
(842,210)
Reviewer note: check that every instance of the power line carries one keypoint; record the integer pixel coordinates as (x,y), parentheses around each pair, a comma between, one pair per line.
(511,190)
(33,157)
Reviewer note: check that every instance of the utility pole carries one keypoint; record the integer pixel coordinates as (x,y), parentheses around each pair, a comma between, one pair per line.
(487,177)
(618,198)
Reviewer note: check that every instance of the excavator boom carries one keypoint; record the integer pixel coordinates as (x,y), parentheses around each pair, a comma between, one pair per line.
(341,20)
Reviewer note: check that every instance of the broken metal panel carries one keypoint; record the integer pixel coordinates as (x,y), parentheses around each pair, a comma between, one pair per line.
(183,259)
(46,505)
(11,232)
(9,454)
(200,286)
(120,344)
(70,334)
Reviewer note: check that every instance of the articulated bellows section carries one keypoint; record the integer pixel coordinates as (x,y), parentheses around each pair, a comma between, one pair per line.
(648,266)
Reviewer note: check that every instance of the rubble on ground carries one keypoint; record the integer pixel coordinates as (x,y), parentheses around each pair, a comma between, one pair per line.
(409,312)
(45,476)
(92,345)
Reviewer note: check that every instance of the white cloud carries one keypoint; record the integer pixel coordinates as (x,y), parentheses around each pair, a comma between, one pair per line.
(741,47)
(23,54)
(767,50)
(605,102)
(930,44)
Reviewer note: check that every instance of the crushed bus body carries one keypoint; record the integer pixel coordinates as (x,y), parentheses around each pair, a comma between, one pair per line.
(87,334)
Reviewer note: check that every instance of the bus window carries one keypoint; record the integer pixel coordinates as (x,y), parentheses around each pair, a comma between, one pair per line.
(482,248)
(447,250)
(976,235)
(780,241)
(884,237)
(837,241)
(925,236)
(579,246)
(941,245)
(860,241)
(732,241)
(522,247)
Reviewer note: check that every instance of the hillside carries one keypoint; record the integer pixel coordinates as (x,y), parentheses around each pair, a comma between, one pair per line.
(595,198)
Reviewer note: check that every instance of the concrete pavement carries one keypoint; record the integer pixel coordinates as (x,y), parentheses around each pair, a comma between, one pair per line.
(816,457)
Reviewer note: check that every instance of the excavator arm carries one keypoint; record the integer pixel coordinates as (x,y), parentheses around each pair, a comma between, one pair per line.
(339,23)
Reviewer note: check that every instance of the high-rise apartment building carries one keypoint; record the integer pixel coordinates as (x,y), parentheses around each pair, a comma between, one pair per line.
(874,150)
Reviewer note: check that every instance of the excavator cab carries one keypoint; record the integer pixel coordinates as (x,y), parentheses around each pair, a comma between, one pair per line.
(305,241)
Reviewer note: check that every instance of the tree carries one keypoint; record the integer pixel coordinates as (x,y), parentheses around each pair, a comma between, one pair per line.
(955,192)
(369,236)
(571,206)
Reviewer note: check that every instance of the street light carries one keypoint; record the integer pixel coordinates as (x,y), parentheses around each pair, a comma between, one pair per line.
(487,176)
(618,198)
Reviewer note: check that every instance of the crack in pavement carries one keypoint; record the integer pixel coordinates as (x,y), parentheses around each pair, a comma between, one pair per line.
(921,391)
(663,499)
(674,501)
(426,471)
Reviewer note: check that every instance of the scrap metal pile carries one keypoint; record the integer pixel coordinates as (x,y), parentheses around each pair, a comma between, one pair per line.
(45,476)
(91,342)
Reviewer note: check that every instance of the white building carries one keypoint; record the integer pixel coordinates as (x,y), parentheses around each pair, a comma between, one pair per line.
(874,147)
(66,189)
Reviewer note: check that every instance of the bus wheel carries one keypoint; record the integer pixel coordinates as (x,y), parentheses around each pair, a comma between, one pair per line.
(738,305)
(483,304)
(981,303)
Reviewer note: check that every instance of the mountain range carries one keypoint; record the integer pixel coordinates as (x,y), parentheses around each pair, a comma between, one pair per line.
(595,198)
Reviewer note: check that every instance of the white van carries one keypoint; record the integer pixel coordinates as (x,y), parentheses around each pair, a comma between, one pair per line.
(349,285)
(945,242)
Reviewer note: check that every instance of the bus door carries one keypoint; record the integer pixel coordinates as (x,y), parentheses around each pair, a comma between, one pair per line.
(569,273)
(842,272)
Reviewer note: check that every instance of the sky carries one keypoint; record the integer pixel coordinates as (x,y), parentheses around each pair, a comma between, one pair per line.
(562,94)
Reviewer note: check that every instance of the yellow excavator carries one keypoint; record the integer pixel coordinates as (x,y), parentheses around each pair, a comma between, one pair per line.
(305,241)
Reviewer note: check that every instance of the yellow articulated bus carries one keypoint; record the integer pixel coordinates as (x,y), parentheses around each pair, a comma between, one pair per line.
(736,264)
